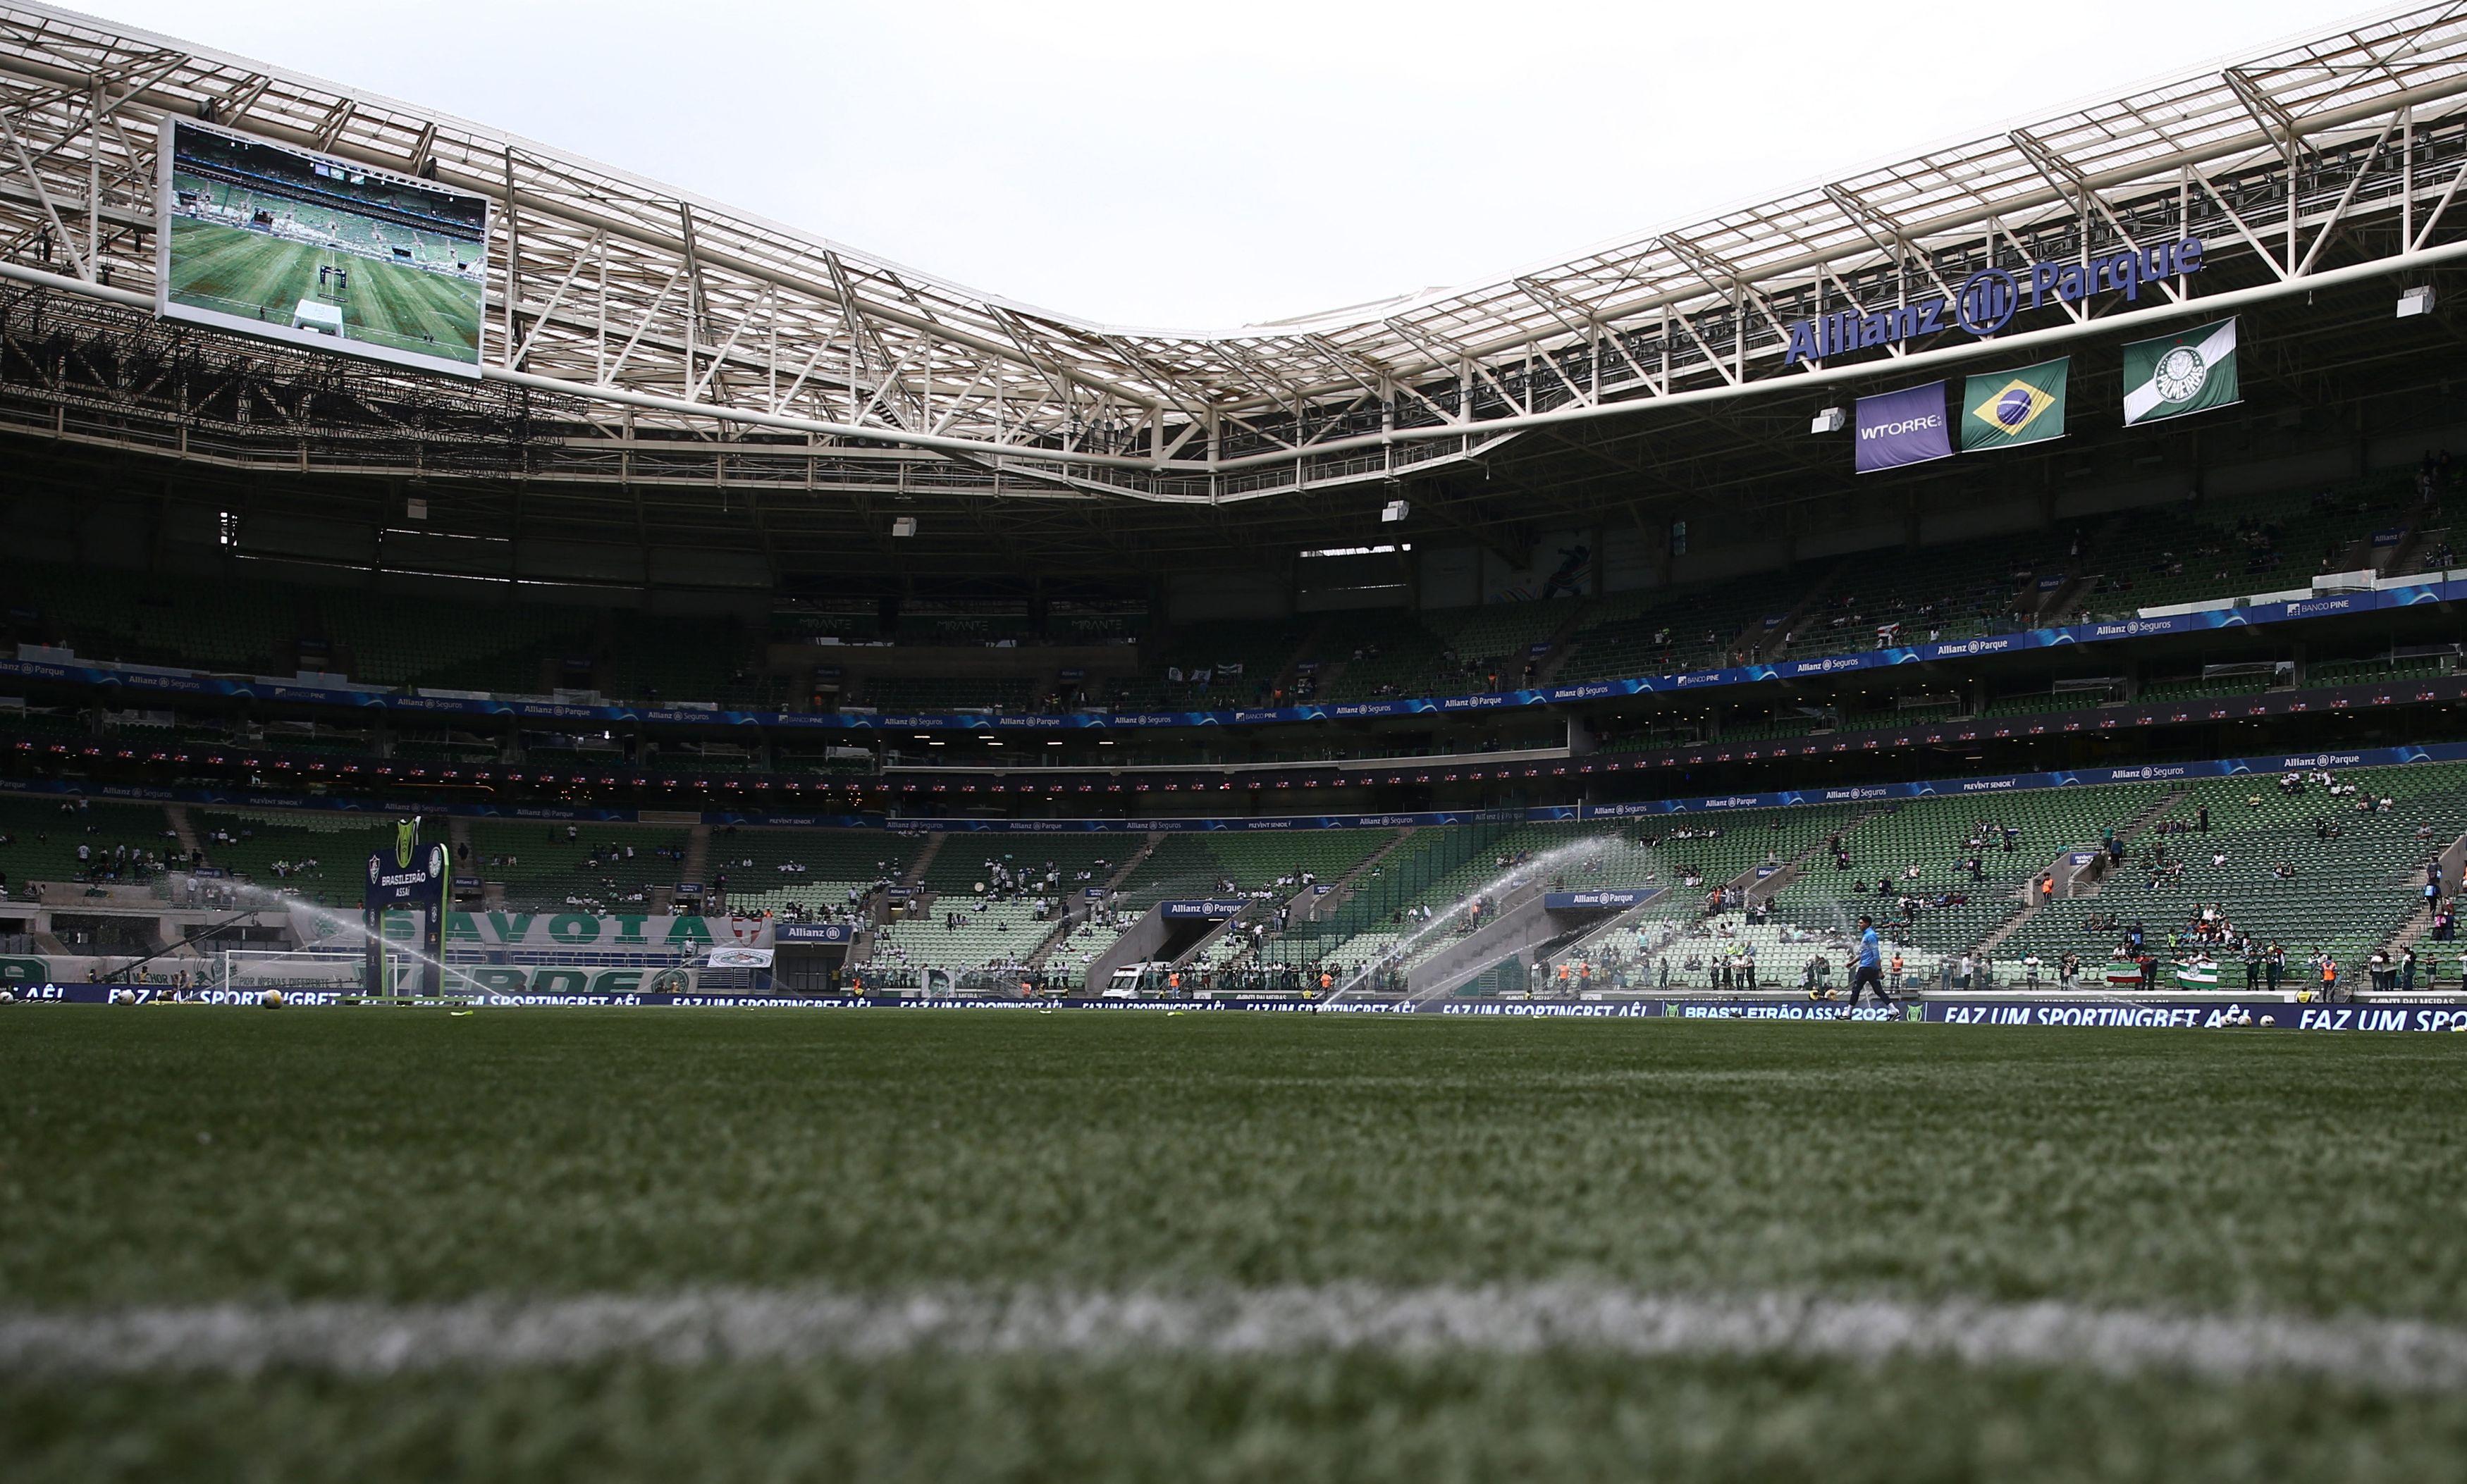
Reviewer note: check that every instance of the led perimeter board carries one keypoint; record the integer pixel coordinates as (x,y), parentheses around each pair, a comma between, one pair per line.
(298,246)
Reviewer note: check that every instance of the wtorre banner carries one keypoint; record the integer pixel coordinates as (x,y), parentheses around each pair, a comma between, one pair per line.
(1898,429)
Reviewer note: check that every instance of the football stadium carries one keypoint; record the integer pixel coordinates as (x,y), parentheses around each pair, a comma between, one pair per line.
(1823,843)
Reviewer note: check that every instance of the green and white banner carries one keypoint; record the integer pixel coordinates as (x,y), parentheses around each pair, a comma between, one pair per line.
(2006,408)
(2191,372)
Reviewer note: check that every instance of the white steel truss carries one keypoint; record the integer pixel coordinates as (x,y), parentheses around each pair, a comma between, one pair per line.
(687,330)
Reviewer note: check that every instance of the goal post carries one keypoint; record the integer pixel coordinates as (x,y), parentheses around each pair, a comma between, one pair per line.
(293,968)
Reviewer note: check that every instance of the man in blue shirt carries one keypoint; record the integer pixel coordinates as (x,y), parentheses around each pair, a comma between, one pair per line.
(1870,972)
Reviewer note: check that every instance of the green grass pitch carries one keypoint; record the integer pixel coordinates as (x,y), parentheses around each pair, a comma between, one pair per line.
(253,276)
(183,1155)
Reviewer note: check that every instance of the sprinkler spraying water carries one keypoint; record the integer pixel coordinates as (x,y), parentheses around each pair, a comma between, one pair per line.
(1461,915)
(348,930)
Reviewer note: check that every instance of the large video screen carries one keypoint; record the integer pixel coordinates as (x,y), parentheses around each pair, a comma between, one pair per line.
(297,246)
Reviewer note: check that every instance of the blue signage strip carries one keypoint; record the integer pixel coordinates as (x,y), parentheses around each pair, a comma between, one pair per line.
(813,932)
(2198,1014)
(1613,900)
(2257,615)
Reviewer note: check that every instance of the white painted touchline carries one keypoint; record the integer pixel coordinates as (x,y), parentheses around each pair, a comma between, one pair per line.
(720,1325)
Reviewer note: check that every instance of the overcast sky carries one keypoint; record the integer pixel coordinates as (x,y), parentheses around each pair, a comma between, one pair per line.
(1204,166)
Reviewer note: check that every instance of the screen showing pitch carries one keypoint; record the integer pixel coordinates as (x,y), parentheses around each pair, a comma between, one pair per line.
(298,246)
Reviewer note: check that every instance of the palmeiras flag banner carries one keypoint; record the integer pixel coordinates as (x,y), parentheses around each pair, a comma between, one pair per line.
(2025,406)
(1898,428)
(2191,372)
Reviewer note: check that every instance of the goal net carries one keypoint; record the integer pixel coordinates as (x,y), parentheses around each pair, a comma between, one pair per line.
(296,968)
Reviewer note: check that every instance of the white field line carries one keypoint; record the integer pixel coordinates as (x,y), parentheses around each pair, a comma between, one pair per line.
(708,1326)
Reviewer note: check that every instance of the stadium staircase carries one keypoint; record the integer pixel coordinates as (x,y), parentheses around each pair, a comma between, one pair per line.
(698,860)
(1760,643)
(1751,887)
(2400,557)
(1284,680)
(2130,831)
(182,829)
(2066,605)
(465,861)
(2412,931)
(1562,644)
(1112,884)
(1520,925)
(1310,906)
(2426,532)
(914,877)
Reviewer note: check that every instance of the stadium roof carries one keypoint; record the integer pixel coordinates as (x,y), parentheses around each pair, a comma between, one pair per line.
(666,316)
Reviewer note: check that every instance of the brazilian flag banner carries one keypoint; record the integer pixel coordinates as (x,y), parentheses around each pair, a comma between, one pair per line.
(2189,372)
(2006,408)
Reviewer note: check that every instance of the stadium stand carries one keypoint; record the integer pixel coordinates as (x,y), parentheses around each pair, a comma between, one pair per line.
(1261,651)
(993,903)
(582,867)
(39,839)
(823,874)
(2344,892)
(1950,870)
(316,857)
(453,646)
(159,619)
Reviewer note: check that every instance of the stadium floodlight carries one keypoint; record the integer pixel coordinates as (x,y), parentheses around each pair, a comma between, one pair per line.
(1832,419)
(2415,300)
(903,526)
(1394,510)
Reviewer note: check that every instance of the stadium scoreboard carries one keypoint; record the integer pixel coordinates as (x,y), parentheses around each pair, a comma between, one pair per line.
(291,244)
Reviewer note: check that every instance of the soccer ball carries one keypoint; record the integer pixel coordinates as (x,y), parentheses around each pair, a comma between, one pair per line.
(123,997)
(2270,1020)
(8,996)
(272,999)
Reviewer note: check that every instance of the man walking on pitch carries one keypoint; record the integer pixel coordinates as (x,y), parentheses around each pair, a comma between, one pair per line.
(1870,971)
